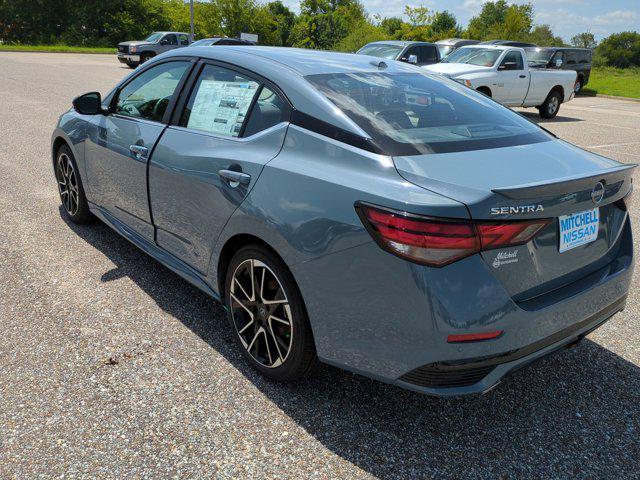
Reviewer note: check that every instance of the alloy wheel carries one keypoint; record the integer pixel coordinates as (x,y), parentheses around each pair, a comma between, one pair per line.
(67,184)
(261,313)
(554,103)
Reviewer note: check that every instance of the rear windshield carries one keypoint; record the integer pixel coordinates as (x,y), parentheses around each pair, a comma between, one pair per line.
(484,57)
(538,55)
(381,50)
(412,113)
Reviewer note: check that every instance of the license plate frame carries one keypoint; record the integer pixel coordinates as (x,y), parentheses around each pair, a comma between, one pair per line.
(577,229)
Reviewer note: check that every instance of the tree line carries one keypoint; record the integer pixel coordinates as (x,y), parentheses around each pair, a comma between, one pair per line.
(342,25)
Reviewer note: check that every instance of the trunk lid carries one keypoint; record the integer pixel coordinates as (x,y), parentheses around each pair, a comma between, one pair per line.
(541,180)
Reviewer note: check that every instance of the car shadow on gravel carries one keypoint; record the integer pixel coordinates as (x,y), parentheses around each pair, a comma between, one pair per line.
(574,414)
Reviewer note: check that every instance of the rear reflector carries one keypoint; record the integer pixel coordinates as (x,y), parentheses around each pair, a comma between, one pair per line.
(436,241)
(473,337)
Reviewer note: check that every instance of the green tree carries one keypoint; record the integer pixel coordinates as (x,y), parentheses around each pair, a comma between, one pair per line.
(584,40)
(444,25)
(322,24)
(281,20)
(543,35)
(391,26)
(620,50)
(498,20)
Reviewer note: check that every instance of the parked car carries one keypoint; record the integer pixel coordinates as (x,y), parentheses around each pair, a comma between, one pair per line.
(208,42)
(417,53)
(503,74)
(561,58)
(445,47)
(354,212)
(135,52)
(508,43)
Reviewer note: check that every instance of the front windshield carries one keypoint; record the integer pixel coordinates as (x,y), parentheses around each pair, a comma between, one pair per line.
(485,57)
(412,113)
(538,55)
(381,50)
(445,50)
(154,37)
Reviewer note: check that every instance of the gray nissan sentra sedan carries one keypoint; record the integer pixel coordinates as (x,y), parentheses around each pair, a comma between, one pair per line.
(354,211)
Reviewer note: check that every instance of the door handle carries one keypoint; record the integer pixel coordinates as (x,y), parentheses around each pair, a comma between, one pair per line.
(523,76)
(233,177)
(139,152)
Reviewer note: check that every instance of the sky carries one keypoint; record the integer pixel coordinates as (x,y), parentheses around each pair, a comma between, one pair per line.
(566,17)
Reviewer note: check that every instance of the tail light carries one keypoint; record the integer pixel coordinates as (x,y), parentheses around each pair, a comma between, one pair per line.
(436,241)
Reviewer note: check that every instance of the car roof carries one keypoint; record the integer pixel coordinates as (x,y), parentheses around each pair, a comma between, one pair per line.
(400,43)
(287,67)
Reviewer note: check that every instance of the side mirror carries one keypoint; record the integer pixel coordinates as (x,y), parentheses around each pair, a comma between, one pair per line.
(413,59)
(508,66)
(558,62)
(88,104)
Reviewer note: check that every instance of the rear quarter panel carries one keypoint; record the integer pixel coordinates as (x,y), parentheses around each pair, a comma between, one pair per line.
(543,81)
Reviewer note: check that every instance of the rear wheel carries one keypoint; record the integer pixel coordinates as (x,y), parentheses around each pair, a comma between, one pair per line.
(578,86)
(267,315)
(551,105)
(70,187)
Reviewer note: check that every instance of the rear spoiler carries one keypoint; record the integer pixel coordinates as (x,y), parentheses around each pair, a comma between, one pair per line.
(566,184)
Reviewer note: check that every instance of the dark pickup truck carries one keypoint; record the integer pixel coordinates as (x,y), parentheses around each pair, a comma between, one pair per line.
(562,58)
(135,52)
(417,53)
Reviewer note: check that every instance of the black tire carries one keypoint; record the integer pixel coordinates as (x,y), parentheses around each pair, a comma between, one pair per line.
(144,57)
(132,64)
(551,105)
(300,360)
(484,90)
(578,85)
(70,188)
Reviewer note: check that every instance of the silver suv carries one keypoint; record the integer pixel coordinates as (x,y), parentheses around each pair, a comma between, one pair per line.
(136,52)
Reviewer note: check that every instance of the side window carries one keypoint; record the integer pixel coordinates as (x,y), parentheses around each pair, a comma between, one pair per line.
(219,102)
(184,40)
(513,57)
(148,95)
(413,51)
(266,112)
(170,40)
(429,54)
(557,56)
(570,58)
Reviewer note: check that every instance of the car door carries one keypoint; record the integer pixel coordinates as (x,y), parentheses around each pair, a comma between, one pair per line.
(428,55)
(183,39)
(514,77)
(210,157)
(120,143)
(168,42)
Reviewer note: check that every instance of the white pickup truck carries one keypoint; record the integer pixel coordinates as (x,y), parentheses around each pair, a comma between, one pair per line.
(502,73)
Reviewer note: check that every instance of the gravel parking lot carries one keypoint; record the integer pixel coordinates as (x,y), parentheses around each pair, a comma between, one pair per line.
(111,366)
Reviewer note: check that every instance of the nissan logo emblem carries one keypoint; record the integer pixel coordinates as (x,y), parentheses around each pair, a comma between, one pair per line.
(597,194)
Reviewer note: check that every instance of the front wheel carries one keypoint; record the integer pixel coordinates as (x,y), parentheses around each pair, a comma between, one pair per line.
(267,315)
(70,187)
(551,105)
(132,64)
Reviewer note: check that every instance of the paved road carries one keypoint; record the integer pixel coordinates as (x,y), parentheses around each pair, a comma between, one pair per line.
(112,367)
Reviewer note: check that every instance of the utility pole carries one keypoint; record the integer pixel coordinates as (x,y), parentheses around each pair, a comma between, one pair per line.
(191,20)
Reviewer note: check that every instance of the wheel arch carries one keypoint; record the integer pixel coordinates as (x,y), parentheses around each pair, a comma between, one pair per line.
(229,249)
(559,89)
(484,89)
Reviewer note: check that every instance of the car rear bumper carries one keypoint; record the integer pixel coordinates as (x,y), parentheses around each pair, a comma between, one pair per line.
(380,316)
(480,375)
(126,58)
